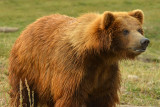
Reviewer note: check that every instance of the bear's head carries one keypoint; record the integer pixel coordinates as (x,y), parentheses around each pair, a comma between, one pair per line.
(123,33)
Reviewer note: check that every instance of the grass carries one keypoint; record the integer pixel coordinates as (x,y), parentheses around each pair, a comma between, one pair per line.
(144,91)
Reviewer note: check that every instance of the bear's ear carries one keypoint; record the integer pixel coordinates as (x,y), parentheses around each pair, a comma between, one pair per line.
(107,20)
(138,14)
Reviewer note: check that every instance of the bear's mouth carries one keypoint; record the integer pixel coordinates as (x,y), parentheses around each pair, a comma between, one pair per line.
(137,50)
(140,50)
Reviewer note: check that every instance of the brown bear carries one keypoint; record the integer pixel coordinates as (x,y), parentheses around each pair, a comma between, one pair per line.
(74,62)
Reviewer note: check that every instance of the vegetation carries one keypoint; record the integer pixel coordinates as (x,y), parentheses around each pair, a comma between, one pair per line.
(144,90)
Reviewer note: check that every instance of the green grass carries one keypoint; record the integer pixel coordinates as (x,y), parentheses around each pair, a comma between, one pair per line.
(144,91)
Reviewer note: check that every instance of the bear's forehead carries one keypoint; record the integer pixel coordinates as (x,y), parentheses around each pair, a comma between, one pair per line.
(128,22)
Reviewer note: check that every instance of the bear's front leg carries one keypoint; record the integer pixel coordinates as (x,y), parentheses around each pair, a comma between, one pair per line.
(104,101)
(106,95)
(68,89)
(70,101)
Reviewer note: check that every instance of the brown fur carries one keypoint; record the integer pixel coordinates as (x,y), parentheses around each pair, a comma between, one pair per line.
(70,62)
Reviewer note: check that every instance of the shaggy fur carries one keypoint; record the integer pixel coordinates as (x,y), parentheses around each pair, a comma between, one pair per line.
(73,62)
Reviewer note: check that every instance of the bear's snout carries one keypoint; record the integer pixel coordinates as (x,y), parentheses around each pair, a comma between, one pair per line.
(144,43)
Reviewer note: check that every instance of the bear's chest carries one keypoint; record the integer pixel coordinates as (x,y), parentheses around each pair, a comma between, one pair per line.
(102,76)
(98,73)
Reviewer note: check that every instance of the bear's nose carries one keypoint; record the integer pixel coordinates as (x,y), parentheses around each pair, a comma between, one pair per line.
(144,42)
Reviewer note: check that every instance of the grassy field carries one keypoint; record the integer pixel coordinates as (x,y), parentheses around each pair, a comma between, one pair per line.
(143,90)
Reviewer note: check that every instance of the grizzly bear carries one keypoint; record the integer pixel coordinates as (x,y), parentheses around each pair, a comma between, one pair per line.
(74,62)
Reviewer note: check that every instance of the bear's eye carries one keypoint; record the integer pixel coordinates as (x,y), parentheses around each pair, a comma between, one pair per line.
(125,32)
(140,31)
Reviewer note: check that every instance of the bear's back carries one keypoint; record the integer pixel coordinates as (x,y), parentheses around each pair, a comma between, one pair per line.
(32,54)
